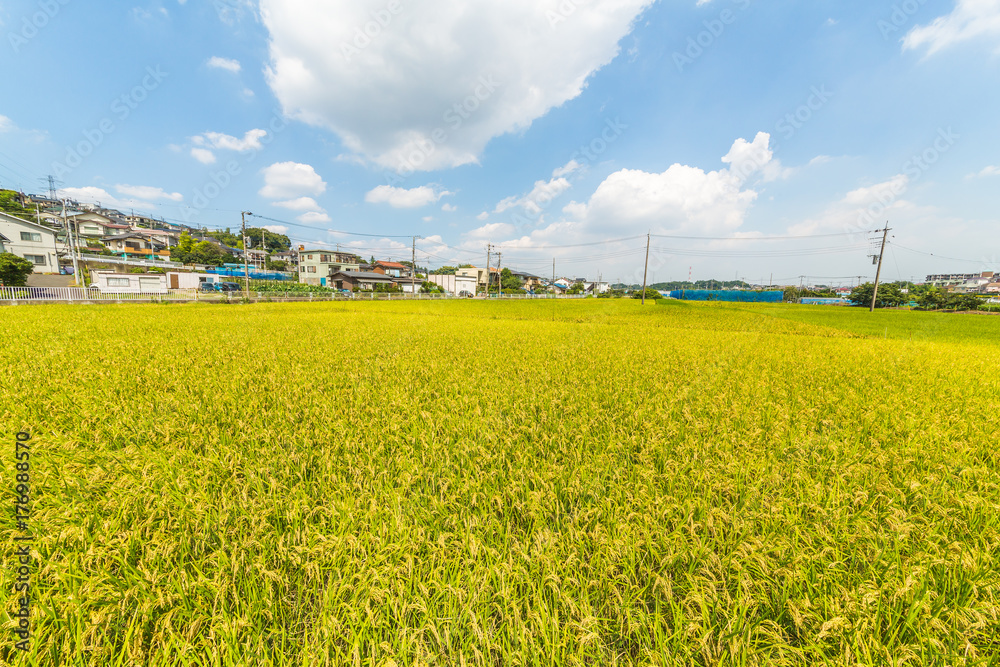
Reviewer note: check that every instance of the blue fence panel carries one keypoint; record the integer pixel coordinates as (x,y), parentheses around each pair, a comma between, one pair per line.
(727,295)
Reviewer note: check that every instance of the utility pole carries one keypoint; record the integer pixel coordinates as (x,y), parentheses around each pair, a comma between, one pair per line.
(246,250)
(413,267)
(499,277)
(73,248)
(878,272)
(645,271)
(489,248)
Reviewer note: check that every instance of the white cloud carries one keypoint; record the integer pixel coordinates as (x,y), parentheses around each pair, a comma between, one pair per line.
(276,229)
(403,198)
(448,208)
(540,196)
(224,63)
(314,216)
(502,64)
(249,142)
(147,192)
(6,124)
(203,155)
(95,195)
(987,171)
(300,204)
(483,216)
(491,231)
(287,180)
(428,218)
(969,20)
(631,202)
(860,210)
(566,169)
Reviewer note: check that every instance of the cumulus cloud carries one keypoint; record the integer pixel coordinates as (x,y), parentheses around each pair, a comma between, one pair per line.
(403,198)
(288,180)
(300,204)
(6,124)
(448,208)
(314,217)
(95,195)
(987,171)
(203,155)
(680,198)
(860,210)
(276,229)
(147,192)
(224,63)
(428,87)
(970,19)
(249,142)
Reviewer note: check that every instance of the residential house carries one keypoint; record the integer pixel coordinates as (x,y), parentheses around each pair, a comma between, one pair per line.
(597,288)
(35,243)
(132,245)
(529,281)
(455,283)
(472,272)
(359,280)
(290,257)
(3,240)
(166,238)
(392,269)
(317,267)
(992,288)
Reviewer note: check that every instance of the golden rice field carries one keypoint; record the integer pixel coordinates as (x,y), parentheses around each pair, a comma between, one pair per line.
(525,483)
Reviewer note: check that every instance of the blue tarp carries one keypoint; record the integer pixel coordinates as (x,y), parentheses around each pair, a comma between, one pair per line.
(727,295)
(255,275)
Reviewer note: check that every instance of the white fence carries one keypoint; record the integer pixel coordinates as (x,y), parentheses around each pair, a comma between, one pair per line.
(81,294)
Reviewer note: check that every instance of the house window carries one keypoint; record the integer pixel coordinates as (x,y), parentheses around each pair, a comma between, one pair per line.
(149,282)
(118,282)
(312,269)
(37,260)
(33,237)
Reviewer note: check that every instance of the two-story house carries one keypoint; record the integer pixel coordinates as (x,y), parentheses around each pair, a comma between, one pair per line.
(33,242)
(316,267)
(136,246)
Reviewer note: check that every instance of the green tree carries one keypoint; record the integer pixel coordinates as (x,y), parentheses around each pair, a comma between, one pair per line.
(577,288)
(509,281)
(14,270)
(650,294)
(889,295)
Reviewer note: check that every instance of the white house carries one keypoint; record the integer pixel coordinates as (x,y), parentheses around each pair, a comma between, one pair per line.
(453,283)
(35,243)
(109,282)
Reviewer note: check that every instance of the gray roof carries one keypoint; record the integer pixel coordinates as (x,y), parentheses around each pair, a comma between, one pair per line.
(364,275)
(4,238)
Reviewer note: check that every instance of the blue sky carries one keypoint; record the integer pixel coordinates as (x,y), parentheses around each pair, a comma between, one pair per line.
(578,123)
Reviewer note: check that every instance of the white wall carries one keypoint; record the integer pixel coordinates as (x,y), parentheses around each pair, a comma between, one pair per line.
(12,227)
(192,280)
(129,283)
(454,284)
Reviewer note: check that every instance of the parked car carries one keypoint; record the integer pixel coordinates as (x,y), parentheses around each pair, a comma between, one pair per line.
(465,294)
(206,287)
(228,287)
